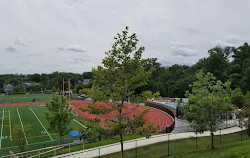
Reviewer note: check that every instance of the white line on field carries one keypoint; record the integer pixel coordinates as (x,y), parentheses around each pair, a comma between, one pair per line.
(22,126)
(79,123)
(41,124)
(1,131)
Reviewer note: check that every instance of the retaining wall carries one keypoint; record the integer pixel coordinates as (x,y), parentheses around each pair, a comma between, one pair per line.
(169,110)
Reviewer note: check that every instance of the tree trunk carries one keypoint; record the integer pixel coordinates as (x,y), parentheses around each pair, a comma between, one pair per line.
(248,128)
(121,140)
(226,120)
(212,139)
(211,129)
(61,139)
(121,132)
(22,148)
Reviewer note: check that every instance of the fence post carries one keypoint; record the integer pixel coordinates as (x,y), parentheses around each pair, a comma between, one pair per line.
(99,152)
(168,144)
(220,136)
(54,152)
(196,141)
(44,147)
(136,148)
(226,120)
(83,145)
(69,148)
(240,133)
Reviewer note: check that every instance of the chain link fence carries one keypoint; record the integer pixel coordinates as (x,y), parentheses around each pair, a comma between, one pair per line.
(224,125)
(36,146)
(134,148)
(176,147)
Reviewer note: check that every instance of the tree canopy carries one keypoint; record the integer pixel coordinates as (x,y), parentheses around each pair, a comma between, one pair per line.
(116,82)
(225,63)
(21,134)
(59,115)
(208,100)
(245,113)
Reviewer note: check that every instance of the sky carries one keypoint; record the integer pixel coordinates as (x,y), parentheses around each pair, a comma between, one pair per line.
(43,36)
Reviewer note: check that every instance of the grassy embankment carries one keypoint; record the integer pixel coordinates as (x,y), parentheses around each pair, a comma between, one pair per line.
(231,146)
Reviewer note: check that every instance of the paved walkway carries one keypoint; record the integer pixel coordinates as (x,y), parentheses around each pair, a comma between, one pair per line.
(107,149)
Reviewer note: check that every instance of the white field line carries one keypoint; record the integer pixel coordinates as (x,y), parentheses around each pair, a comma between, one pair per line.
(79,123)
(22,126)
(1,131)
(41,124)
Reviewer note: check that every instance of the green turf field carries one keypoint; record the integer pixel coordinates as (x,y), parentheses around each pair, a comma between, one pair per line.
(22,98)
(39,133)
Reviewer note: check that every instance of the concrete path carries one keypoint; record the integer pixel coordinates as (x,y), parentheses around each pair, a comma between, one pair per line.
(107,149)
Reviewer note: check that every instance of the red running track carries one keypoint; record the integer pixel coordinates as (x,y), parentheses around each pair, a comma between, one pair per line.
(158,117)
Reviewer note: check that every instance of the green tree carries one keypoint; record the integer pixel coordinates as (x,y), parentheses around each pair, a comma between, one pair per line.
(245,113)
(208,100)
(54,89)
(21,135)
(217,63)
(240,72)
(34,77)
(237,97)
(117,80)
(18,90)
(93,131)
(59,115)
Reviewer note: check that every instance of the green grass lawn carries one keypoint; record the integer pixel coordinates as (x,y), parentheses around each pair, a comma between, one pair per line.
(231,147)
(35,116)
(6,99)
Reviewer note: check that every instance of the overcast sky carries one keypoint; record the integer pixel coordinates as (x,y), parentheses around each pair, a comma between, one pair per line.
(43,36)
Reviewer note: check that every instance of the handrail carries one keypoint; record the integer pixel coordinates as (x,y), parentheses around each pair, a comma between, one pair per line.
(26,152)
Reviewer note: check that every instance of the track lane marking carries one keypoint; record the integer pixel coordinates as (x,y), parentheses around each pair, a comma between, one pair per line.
(41,124)
(22,126)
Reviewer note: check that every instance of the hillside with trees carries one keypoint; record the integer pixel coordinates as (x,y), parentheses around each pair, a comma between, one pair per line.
(53,82)
(225,63)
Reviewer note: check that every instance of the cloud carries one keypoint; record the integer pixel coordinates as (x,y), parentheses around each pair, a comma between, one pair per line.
(232,41)
(182,49)
(81,59)
(84,29)
(33,55)
(11,49)
(60,48)
(16,43)
(76,49)
(21,41)
(190,30)
(26,62)
(77,2)
(72,48)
